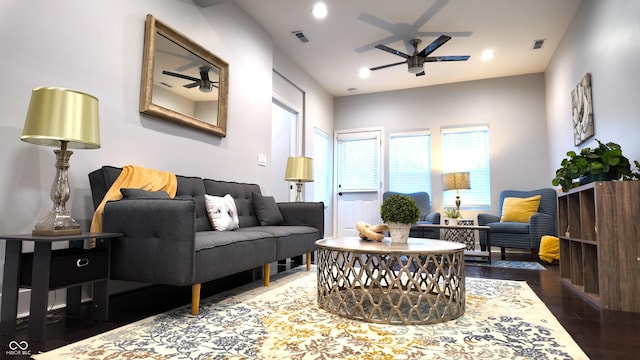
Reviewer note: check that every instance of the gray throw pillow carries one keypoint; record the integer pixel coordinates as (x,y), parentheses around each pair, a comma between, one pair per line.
(267,210)
(131,193)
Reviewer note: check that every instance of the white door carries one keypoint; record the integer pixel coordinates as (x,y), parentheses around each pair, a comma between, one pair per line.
(358,179)
(284,143)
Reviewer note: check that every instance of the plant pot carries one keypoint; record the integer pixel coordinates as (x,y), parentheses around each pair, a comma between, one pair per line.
(399,232)
(450,221)
(589,178)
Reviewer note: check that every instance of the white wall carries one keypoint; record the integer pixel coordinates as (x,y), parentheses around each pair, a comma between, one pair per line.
(604,40)
(97,47)
(512,107)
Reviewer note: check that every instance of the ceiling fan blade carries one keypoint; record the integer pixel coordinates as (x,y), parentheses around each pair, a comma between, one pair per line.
(434,45)
(392,51)
(204,73)
(179,75)
(447,58)
(192,85)
(386,66)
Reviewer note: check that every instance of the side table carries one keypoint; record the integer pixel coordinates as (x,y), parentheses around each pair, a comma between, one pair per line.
(46,269)
(467,237)
(471,254)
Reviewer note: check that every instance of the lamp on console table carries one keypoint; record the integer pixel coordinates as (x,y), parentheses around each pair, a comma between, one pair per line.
(67,119)
(299,169)
(456,181)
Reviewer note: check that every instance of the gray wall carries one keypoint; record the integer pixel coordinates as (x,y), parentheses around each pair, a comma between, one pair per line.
(604,40)
(512,107)
(96,47)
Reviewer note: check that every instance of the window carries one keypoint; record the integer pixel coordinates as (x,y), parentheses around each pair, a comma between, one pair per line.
(358,161)
(321,167)
(467,149)
(410,162)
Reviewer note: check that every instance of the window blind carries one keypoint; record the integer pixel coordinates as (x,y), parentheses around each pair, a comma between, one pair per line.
(410,162)
(467,149)
(321,167)
(358,162)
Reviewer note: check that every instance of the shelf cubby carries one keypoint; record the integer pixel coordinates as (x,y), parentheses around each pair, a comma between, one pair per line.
(600,242)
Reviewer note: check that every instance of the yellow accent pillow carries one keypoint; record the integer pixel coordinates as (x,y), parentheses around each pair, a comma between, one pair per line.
(549,248)
(519,209)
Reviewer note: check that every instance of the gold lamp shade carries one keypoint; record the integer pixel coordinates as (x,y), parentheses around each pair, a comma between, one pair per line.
(57,114)
(456,181)
(66,119)
(299,169)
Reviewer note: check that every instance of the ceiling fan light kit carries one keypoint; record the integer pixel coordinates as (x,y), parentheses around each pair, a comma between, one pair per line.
(415,62)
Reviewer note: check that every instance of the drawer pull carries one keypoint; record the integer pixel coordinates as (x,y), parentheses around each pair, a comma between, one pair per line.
(82,262)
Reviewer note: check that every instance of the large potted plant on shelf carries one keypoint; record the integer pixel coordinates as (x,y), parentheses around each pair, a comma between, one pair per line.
(399,212)
(602,163)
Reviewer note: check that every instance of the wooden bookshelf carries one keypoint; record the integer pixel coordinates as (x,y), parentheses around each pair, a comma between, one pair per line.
(599,228)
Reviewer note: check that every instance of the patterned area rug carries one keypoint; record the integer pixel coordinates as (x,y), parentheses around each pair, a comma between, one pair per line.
(503,320)
(529,265)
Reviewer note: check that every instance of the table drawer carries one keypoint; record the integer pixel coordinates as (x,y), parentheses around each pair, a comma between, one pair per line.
(69,267)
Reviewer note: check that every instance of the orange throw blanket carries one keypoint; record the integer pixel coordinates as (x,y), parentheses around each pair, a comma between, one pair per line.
(135,177)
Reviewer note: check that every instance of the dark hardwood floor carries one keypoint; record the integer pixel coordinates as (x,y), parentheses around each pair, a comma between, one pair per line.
(601,334)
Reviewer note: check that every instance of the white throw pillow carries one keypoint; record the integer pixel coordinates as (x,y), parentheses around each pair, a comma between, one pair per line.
(222,212)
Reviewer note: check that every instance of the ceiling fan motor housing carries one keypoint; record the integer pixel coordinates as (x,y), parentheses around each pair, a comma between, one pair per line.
(415,64)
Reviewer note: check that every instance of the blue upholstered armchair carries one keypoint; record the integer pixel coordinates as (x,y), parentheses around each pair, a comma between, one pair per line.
(522,235)
(426,216)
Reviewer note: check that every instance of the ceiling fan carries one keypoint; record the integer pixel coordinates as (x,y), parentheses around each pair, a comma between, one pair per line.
(416,61)
(204,84)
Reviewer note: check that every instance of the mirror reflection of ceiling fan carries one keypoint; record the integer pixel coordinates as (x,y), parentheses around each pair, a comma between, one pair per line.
(204,84)
(415,62)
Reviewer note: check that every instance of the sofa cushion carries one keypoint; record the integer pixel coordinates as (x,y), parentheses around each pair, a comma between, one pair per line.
(241,193)
(266,210)
(211,239)
(192,187)
(516,209)
(509,227)
(222,212)
(131,193)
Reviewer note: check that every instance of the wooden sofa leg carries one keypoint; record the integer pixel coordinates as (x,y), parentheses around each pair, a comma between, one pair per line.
(502,253)
(308,261)
(267,274)
(195,299)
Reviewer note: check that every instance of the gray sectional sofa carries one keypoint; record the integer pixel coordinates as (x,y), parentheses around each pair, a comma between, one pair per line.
(171,241)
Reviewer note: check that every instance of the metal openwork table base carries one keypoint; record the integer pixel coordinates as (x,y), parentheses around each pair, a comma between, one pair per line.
(420,282)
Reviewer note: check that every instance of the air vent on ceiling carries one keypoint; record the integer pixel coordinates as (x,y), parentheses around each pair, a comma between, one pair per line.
(538,44)
(301,36)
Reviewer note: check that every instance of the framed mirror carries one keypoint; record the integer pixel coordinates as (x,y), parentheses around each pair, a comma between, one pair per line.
(183,82)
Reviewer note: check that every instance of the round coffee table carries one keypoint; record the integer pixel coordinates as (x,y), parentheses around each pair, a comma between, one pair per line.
(420,282)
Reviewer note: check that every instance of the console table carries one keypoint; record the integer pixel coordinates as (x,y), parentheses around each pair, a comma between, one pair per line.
(465,229)
(45,269)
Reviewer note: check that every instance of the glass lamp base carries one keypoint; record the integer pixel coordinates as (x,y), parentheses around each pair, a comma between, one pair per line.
(57,224)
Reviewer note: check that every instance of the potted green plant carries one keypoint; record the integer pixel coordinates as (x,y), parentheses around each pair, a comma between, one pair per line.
(399,212)
(451,216)
(602,163)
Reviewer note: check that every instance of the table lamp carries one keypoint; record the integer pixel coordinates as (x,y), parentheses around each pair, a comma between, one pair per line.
(299,169)
(456,181)
(67,119)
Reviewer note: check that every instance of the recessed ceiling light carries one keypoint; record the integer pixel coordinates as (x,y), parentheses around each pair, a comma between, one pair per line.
(319,10)
(364,73)
(487,55)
